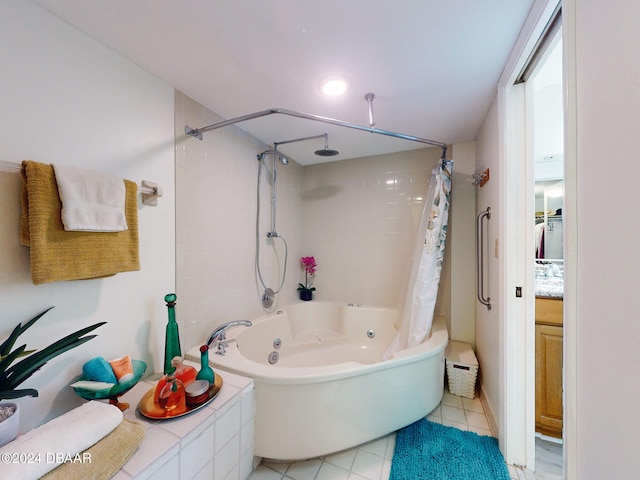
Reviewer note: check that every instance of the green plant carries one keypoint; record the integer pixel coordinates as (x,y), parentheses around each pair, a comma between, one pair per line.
(13,374)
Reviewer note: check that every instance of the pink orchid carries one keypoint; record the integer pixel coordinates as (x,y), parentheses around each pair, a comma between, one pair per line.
(309,265)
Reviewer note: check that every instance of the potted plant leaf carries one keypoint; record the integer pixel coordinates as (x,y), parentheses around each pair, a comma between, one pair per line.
(14,372)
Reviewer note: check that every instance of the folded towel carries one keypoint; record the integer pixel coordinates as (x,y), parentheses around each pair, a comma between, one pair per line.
(69,434)
(57,255)
(105,458)
(91,201)
(99,370)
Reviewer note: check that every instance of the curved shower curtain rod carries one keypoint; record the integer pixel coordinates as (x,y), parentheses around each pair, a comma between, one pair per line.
(197,132)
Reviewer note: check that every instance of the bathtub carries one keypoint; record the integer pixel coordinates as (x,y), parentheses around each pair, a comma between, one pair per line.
(326,388)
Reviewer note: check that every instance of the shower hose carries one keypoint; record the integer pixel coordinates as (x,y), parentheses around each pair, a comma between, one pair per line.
(270,235)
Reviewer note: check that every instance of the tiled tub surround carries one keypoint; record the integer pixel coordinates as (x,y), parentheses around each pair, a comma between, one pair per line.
(344,213)
(214,442)
(360,221)
(216,182)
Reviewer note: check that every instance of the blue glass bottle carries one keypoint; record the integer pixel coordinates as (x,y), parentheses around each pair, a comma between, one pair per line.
(172,336)
(206,372)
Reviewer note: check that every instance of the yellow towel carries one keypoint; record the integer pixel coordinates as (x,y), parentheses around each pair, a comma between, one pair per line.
(105,458)
(58,255)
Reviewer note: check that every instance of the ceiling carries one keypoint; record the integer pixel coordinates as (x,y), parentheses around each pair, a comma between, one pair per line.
(433,65)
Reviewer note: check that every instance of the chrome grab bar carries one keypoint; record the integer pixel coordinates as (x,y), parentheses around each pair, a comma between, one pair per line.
(480,234)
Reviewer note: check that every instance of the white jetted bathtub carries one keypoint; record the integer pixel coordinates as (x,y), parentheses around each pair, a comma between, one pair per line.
(321,384)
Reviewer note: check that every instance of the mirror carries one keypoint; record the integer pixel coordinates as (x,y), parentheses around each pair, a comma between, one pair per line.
(549,269)
(549,221)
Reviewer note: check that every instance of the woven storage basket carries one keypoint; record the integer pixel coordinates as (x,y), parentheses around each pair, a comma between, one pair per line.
(462,369)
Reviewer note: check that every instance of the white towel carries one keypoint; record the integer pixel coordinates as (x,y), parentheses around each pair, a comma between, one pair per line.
(91,201)
(46,447)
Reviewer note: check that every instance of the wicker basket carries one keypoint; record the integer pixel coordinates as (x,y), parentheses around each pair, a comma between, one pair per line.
(462,369)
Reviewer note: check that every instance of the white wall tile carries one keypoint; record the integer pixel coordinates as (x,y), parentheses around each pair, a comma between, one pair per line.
(247,438)
(170,470)
(228,458)
(248,405)
(158,456)
(246,464)
(360,228)
(205,474)
(197,453)
(227,426)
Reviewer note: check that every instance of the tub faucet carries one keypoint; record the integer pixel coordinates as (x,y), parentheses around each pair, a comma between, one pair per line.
(218,336)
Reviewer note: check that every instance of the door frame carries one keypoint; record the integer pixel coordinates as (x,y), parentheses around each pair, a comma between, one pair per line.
(516,318)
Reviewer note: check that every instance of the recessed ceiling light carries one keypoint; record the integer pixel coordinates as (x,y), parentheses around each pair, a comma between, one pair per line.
(333,86)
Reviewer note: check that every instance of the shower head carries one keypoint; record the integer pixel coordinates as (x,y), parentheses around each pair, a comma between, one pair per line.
(326,151)
(283,160)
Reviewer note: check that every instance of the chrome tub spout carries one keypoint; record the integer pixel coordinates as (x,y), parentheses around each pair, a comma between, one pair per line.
(218,336)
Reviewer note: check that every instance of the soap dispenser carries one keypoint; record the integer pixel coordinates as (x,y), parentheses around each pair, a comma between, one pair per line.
(172,336)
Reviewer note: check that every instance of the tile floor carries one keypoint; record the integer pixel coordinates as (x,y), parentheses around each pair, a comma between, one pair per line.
(372,461)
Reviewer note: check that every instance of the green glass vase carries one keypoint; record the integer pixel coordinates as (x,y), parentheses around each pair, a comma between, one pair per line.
(172,336)
(206,372)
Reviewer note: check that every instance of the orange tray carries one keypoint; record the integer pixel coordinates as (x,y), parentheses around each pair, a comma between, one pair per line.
(150,409)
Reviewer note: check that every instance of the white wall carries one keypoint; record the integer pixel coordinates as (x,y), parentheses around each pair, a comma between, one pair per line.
(487,321)
(607,96)
(461,244)
(67,99)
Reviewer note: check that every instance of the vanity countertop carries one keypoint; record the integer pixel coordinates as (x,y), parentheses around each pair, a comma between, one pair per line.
(550,297)
(550,288)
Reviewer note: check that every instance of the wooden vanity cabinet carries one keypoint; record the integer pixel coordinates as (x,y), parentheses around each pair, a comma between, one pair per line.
(549,366)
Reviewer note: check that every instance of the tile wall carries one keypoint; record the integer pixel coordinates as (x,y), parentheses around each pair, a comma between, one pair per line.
(360,219)
(357,217)
(216,182)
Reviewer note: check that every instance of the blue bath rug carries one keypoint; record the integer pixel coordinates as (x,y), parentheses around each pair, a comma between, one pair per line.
(430,451)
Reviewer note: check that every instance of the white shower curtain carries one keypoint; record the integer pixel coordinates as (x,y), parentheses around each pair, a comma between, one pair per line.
(420,300)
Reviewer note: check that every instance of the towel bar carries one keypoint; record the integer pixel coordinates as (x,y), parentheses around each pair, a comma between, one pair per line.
(150,190)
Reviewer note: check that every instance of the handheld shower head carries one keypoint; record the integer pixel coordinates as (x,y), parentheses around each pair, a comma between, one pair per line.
(283,160)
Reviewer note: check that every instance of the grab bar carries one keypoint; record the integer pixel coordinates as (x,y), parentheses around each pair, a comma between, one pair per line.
(480,257)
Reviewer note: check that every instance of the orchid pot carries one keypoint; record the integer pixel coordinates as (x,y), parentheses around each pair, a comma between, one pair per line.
(306,290)
(306,295)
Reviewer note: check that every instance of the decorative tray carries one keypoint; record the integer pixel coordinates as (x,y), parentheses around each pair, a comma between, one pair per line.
(150,409)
